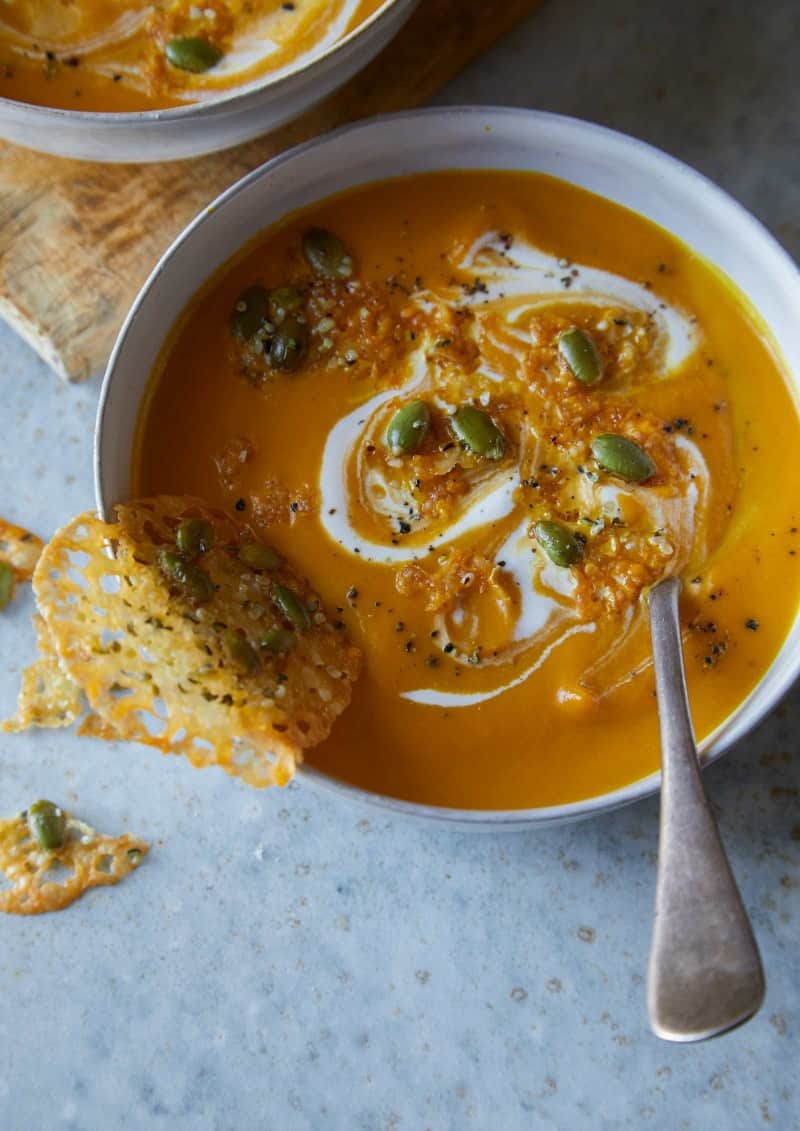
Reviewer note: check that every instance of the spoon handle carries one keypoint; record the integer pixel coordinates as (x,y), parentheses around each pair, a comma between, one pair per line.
(705,971)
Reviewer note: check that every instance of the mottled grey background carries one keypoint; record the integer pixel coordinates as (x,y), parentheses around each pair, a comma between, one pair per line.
(286,962)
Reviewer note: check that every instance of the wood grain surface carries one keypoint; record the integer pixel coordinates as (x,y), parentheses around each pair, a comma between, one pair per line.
(78,239)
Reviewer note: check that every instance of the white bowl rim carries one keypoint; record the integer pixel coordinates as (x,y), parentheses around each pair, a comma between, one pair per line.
(233,100)
(715,744)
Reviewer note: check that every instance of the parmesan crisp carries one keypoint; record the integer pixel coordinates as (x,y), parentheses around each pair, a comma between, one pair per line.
(226,677)
(43,879)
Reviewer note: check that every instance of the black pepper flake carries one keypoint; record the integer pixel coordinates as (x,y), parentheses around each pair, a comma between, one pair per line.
(399,627)
(432,661)
(409,646)
(404,527)
(449,648)
(752,624)
(351,593)
(240,505)
(294,507)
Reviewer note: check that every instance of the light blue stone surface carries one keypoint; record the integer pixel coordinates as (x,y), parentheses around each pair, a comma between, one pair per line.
(285,961)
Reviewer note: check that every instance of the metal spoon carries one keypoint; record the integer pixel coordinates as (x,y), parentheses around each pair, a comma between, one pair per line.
(705,971)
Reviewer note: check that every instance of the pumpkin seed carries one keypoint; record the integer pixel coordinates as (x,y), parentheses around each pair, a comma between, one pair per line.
(241,651)
(135,856)
(580,353)
(479,432)
(327,254)
(7,582)
(559,543)
(622,457)
(194,536)
(249,313)
(191,53)
(192,578)
(277,640)
(283,301)
(288,344)
(258,556)
(291,606)
(47,824)
(408,428)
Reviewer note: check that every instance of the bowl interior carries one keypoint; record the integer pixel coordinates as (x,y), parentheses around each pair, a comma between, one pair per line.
(238,93)
(620,168)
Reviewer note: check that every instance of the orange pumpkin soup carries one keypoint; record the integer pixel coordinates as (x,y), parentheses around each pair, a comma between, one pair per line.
(484,413)
(110,55)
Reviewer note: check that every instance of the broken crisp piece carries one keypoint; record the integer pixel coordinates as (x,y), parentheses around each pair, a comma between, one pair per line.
(50,858)
(19,552)
(20,549)
(48,697)
(187,633)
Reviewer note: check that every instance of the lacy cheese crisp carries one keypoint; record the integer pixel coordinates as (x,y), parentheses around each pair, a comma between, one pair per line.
(50,864)
(185,632)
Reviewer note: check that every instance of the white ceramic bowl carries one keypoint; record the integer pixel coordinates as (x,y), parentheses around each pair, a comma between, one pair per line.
(189,131)
(617,167)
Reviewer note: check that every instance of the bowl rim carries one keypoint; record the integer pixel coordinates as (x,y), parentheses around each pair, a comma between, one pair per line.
(731,729)
(234,100)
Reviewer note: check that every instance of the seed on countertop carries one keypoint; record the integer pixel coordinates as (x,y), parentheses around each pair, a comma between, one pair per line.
(47,824)
(478,432)
(622,457)
(558,542)
(7,583)
(580,353)
(408,428)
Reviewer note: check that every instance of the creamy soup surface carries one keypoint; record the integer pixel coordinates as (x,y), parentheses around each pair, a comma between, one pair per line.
(484,413)
(110,55)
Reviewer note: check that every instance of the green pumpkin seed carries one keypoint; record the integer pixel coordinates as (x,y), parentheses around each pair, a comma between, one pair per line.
(7,582)
(283,301)
(559,543)
(580,354)
(327,254)
(249,313)
(192,578)
(288,345)
(257,556)
(622,457)
(277,641)
(190,53)
(291,606)
(241,651)
(408,428)
(47,824)
(135,856)
(194,536)
(479,432)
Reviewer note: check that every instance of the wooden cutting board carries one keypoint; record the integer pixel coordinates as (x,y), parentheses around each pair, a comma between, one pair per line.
(78,239)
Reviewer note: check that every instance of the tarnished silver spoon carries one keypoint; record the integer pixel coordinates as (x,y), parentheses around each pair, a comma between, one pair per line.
(705,970)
